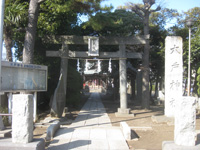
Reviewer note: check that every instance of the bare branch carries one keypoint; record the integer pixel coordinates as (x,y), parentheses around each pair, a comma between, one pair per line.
(157,9)
(148,4)
(135,8)
(41,1)
(138,12)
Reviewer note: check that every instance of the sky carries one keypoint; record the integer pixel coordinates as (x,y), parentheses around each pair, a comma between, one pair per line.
(180,5)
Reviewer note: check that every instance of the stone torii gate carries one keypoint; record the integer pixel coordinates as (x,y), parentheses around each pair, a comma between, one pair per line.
(59,98)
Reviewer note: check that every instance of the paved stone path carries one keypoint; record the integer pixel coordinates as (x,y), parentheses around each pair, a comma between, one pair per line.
(91,130)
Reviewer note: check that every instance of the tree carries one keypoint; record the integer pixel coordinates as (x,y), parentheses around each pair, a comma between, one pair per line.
(180,29)
(144,12)
(194,13)
(14,15)
(158,34)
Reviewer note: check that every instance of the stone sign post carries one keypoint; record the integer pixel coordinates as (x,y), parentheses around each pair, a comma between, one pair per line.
(176,105)
(173,73)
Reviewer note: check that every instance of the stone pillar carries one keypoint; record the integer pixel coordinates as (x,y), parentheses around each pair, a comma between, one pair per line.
(10,101)
(173,73)
(185,121)
(22,119)
(123,82)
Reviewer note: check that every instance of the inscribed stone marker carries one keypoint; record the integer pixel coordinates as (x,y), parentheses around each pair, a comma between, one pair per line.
(173,73)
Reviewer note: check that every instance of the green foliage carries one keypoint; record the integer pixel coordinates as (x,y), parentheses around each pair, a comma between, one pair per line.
(118,23)
(198,81)
(73,100)
(14,13)
(4,118)
(163,17)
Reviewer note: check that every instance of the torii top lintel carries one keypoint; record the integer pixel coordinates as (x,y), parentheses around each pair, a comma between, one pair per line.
(83,40)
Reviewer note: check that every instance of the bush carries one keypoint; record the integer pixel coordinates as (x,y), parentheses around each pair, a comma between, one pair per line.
(73,100)
(4,118)
(198,81)
(74,86)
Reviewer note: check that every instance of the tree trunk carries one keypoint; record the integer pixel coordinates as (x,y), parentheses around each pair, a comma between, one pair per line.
(195,83)
(29,41)
(156,87)
(145,65)
(8,43)
(133,87)
(116,89)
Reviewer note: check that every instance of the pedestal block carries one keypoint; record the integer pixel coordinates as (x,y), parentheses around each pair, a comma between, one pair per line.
(22,120)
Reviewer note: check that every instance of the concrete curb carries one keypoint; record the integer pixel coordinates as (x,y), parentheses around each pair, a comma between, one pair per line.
(128,133)
(163,119)
(51,130)
(170,145)
(126,130)
(36,144)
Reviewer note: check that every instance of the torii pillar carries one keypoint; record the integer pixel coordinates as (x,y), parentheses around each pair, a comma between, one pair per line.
(123,110)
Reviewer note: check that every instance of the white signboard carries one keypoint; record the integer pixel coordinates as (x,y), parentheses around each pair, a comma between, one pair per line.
(93,46)
(173,73)
(23,77)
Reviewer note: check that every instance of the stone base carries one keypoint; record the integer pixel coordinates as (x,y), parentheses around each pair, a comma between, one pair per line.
(37,144)
(163,119)
(124,113)
(170,145)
